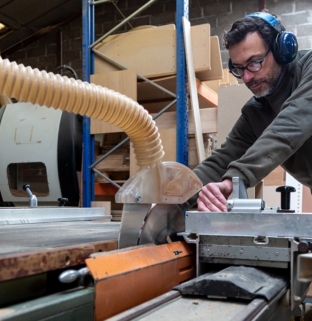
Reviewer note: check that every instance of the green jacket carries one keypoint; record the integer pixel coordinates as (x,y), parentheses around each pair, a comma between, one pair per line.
(271,131)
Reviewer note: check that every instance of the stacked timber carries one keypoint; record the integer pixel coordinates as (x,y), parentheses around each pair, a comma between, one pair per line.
(148,51)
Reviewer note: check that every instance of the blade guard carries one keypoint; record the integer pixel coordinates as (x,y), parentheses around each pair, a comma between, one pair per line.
(162,183)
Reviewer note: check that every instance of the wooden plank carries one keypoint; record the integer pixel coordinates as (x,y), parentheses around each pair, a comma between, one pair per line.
(136,29)
(193,88)
(228,78)
(124,82)
(206,94)
(152,52)
(212,84)
(232,79)
(42,247)
(270,196)
(201,43)
(40,261)
(208,117)
(106,205)
(137,51)
(216,71)
(225,81)
(275,178)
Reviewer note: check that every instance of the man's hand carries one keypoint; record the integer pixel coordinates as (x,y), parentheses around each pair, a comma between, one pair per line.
(213,196)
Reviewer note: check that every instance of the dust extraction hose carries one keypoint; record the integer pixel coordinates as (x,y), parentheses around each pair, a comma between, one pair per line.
(50,90)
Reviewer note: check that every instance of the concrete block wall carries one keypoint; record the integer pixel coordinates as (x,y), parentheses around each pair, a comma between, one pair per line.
(64,45)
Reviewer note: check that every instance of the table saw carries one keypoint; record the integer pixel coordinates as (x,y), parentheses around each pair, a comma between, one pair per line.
(252,263)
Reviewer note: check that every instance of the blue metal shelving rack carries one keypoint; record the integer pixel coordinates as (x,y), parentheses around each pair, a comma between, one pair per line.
(182,7)
(87,70)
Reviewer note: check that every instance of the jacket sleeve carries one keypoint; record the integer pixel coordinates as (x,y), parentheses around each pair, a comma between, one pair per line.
(282,138)
(214,167)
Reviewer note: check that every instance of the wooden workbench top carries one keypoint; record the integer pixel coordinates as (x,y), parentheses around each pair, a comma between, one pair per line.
(28,249)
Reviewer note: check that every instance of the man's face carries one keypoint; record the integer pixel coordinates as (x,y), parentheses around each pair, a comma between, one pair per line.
(252,48)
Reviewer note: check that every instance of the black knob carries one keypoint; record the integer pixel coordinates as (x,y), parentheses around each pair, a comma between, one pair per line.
(62,201)
(303,247)
(285,196)
(26,186)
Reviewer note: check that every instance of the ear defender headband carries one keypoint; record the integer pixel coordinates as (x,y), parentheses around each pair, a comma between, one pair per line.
(285,45)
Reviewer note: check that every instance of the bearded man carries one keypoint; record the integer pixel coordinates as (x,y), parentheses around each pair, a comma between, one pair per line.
(275,125)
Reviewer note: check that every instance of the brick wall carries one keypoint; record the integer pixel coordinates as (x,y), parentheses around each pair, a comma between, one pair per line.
(64,45)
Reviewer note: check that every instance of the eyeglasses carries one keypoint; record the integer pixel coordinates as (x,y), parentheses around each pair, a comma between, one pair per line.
(253,66)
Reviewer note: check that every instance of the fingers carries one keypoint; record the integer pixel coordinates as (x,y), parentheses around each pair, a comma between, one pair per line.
(211,199)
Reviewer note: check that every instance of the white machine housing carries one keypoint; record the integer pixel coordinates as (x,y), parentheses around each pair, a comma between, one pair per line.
(29,137)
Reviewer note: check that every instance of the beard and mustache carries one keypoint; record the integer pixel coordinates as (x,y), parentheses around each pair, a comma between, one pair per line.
(268,83)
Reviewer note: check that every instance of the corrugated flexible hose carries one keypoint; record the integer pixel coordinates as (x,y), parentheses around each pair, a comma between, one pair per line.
(47,89)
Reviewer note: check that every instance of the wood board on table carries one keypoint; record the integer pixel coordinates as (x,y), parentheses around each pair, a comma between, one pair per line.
(152,51)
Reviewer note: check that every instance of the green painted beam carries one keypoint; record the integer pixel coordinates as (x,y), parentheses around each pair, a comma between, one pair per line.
(72,305)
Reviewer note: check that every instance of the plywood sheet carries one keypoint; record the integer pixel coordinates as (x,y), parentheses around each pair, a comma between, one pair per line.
(136,29)
(193,88)
(270,196)
(41,247)
(232,79)
(201,45)
(228,79)
(102,204)
(206,96)
(216,71)
(225,81)
(208,117)
(212,84)
(152,52)
(124,82)
(231,101)
(275,178)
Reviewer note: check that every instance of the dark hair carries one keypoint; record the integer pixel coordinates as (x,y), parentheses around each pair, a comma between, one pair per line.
(247,25)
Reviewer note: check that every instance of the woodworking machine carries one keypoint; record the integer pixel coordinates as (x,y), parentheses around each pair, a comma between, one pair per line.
(57,263)
(252,263)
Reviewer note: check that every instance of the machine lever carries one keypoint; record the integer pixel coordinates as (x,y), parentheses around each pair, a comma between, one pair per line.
(239,189)
(62,201)
(33,202)
(305,246)
(72,275)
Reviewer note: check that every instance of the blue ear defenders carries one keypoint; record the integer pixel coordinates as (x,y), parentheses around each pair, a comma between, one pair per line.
(285,45)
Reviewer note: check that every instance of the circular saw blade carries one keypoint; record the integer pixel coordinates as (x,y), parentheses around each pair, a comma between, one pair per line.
(162,224)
